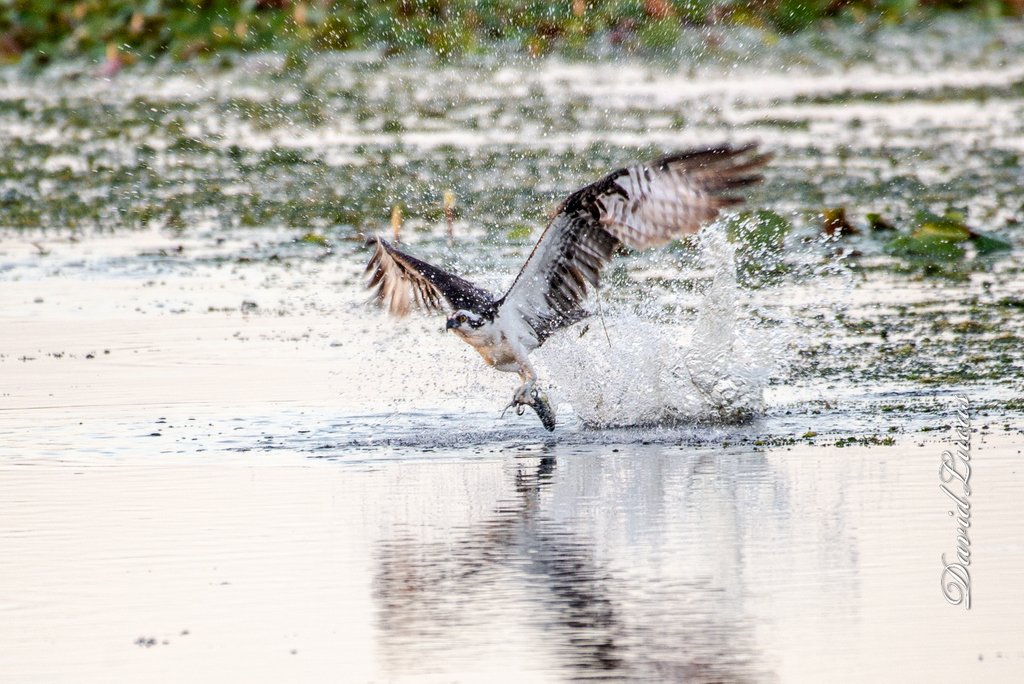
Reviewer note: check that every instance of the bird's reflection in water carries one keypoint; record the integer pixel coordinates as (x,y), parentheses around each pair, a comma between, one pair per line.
(521,587)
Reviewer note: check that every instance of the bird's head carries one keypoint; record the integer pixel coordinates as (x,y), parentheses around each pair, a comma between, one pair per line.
(464,320)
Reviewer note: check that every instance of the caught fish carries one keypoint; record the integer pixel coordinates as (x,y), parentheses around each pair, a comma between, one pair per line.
(541,405)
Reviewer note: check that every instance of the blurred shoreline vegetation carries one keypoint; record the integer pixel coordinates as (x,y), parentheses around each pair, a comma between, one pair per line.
(36,32)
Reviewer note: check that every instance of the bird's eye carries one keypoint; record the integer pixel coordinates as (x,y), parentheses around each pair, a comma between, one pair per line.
(462,318)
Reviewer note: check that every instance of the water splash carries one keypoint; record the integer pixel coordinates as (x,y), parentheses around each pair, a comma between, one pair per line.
(635,370)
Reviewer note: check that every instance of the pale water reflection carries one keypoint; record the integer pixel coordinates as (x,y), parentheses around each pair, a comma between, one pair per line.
(539,571)
(546,562)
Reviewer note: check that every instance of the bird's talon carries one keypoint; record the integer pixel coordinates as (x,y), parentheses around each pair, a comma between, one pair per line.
(527,395)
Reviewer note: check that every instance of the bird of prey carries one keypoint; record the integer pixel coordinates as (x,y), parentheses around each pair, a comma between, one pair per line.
(640,206)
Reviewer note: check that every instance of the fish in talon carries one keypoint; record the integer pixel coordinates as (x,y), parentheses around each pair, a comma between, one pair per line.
(538,401)
(542,407)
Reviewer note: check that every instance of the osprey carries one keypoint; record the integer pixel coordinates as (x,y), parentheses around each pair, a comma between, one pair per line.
(640,206)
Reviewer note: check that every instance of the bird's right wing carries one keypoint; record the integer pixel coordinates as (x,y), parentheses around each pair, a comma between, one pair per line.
(639,206)
(401,281)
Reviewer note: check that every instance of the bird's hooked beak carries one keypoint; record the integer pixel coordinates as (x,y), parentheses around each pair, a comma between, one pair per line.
(451,323)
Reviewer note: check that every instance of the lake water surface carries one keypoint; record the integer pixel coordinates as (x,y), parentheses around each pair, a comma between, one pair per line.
(217,463)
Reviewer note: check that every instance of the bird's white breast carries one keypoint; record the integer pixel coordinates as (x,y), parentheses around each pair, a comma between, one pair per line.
(514,328)
(499,341)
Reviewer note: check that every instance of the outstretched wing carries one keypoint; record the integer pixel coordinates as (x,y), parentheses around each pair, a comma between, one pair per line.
(401,282)
(640,206)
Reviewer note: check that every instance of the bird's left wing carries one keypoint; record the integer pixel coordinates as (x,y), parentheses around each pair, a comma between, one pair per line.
(401,281)
(639,206)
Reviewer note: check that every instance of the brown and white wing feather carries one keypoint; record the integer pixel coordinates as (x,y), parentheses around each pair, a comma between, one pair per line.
(402,282)
(640,206)
(650,204)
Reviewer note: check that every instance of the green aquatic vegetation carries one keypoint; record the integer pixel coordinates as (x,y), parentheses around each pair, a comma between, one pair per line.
(659,34)
(867,440)
(119,31)
(760,238)
(761,230)
(315,239)
(191,144)
(929,244)
(987,244)
(878,223)
(520,232)
(971,327)
(783,124)
(942,238)
(205,164)
(926,344)
(277,156)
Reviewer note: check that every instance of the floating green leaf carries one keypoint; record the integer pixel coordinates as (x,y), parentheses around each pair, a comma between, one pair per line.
(520,232)
(926,245)
(942,238)
(950,227)
(986,244)
(315,239)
